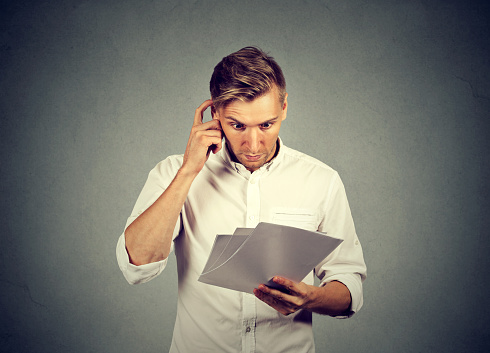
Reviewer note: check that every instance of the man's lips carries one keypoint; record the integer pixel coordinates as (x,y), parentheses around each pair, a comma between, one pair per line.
(253,158)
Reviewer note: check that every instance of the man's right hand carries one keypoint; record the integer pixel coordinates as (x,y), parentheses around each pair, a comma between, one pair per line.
(204,138)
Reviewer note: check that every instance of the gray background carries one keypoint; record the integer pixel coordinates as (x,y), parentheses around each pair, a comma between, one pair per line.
(395,95)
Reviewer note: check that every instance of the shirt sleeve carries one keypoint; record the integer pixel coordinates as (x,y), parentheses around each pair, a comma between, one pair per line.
(158,180)
(346,263)
(136,274)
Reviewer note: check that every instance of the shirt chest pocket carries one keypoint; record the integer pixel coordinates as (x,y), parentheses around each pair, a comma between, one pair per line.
(295,217)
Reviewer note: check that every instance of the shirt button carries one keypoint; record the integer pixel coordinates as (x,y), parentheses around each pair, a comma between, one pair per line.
(248,329)
(251,218)
(252,181)
(357,242)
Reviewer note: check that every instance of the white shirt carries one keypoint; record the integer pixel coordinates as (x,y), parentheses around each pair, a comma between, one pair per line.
(293,189)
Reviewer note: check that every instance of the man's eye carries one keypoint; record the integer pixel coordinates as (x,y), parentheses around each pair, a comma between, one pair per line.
(237,126)
(266,125)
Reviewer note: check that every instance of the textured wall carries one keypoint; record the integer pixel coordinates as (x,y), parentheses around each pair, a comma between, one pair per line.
(395,95)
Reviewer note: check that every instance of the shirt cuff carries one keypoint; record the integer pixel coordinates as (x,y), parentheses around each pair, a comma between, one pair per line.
(136,274)
(353,283)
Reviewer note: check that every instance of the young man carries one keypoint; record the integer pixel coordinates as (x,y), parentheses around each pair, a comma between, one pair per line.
(250,177)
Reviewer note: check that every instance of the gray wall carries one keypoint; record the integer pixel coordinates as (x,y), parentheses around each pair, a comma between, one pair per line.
(395,95)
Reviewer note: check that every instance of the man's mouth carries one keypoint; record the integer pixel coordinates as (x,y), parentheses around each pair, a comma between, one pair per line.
(253,158)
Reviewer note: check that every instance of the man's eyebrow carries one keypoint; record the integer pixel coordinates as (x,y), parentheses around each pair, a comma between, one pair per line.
(239,122)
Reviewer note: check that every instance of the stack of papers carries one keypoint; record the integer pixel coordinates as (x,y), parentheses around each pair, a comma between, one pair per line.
(252,256)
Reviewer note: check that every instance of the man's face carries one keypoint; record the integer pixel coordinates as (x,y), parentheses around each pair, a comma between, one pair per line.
(251,128)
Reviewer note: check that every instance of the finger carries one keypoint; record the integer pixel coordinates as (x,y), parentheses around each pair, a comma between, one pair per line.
(211,125)
(217,146)
(274,303)
(198,115)
(210,139)
(209,133)
(290,286)
(275,293)
(266,298)
(292,297)
(210,130)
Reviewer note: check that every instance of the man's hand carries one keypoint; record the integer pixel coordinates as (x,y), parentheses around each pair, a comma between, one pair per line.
(332,299)
(204,138)
(294,297)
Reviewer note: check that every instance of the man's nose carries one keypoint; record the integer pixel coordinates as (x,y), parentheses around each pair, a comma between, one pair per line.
(253,140)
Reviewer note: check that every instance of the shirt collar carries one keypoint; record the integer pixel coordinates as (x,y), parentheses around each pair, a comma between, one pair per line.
(240,168)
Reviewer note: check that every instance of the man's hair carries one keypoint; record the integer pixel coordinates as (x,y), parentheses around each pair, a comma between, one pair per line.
(245,75)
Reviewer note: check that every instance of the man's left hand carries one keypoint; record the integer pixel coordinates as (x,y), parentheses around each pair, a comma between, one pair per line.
(295,296)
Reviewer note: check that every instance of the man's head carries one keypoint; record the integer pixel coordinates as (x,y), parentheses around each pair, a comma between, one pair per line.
(250,101)
(245,75)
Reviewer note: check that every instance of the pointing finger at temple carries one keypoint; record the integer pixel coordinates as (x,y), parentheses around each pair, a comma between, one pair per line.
(198,116)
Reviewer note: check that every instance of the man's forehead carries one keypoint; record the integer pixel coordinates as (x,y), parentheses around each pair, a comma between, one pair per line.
(248,116)
(265,107)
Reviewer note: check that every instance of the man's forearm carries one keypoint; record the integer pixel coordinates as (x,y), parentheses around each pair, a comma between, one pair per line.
(149,237)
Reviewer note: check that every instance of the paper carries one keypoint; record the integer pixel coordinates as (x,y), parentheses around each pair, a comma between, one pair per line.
(252,256)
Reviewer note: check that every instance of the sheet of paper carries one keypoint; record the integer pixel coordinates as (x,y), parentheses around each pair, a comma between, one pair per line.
(225,246)
(250,257)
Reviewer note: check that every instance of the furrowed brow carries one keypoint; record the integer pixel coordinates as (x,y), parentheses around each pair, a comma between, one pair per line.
(273,120)
(235,120)
(264,122)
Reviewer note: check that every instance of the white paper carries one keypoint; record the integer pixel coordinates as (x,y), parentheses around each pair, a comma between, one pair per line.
(252,256)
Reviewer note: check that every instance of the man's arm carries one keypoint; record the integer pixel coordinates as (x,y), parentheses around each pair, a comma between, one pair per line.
(149,237)
(332,299)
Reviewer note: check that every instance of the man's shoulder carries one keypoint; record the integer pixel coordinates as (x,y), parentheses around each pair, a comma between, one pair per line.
(170,165)
(306,162)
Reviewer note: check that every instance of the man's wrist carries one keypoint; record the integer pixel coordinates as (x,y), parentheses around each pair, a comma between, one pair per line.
(187,173)
(315,297)
(331,299)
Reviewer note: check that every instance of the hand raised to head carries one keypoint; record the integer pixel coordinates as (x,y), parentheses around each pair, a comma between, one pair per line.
(204,138)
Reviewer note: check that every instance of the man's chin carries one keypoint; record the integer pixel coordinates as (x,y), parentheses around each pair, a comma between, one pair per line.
(252,166)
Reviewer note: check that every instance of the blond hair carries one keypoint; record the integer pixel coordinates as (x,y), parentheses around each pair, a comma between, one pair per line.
(245,75)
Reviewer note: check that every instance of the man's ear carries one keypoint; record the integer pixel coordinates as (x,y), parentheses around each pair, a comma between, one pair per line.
(285,107)
(214,114)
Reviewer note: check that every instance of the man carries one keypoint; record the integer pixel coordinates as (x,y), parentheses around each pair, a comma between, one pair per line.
(250,177)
